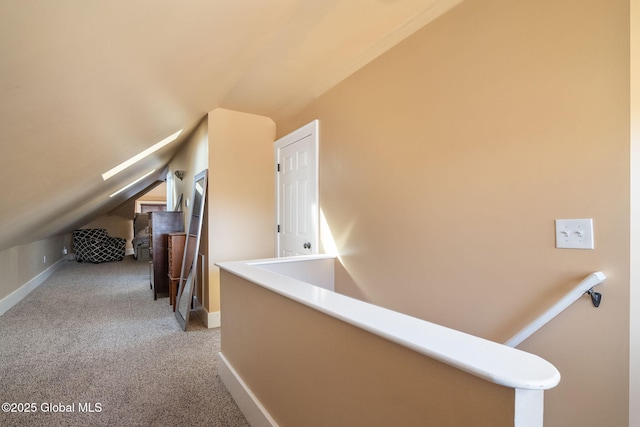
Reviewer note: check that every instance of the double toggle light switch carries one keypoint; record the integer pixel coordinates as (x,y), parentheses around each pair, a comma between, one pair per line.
(574,233)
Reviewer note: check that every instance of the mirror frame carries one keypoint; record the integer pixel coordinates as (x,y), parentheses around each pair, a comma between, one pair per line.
(188,271)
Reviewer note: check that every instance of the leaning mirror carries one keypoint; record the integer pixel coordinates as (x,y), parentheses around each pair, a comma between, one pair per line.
(191,247)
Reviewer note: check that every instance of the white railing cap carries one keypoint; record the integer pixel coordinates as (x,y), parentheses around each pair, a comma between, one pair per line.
(486,359)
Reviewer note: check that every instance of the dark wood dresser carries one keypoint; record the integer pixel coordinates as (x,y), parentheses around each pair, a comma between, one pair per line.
(161,223)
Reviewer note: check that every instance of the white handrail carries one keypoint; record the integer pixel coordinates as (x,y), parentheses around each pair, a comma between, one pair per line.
(485,359)
(583,287)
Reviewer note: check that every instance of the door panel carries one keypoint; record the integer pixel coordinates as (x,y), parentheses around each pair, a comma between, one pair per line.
(297,202)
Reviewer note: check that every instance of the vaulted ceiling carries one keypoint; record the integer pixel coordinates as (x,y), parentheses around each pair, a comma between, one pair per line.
(85,85)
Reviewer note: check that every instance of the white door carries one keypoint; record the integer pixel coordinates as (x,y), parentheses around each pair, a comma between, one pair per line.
(296,158)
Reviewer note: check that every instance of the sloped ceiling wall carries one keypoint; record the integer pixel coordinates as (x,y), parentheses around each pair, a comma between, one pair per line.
(86,85)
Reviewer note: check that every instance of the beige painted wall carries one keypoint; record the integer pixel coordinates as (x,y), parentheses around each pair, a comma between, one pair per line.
(20,264)
(310,369)
(634,335)
(156,194)
(191,157)
(444,163)
(241,191)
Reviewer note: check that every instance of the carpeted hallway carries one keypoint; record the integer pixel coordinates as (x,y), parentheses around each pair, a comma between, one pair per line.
(91,338)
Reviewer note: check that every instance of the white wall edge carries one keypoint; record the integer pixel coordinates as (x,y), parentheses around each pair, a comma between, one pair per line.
(529,410)
(16,296)
(248,403)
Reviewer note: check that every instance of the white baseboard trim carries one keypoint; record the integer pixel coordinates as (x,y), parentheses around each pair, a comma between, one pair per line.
(250,406)
(16,296)
(210,320)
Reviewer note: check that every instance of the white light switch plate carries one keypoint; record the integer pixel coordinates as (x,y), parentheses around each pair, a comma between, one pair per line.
(574,233)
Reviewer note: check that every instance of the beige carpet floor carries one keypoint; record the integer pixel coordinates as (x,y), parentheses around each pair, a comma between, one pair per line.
(92,342)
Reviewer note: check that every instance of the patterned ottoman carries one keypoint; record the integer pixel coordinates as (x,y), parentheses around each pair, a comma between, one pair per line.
(95,245)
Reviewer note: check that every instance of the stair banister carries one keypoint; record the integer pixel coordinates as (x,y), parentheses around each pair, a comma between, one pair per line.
(584,287)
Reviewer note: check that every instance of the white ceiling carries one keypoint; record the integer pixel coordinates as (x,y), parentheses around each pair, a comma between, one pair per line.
(84,85)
